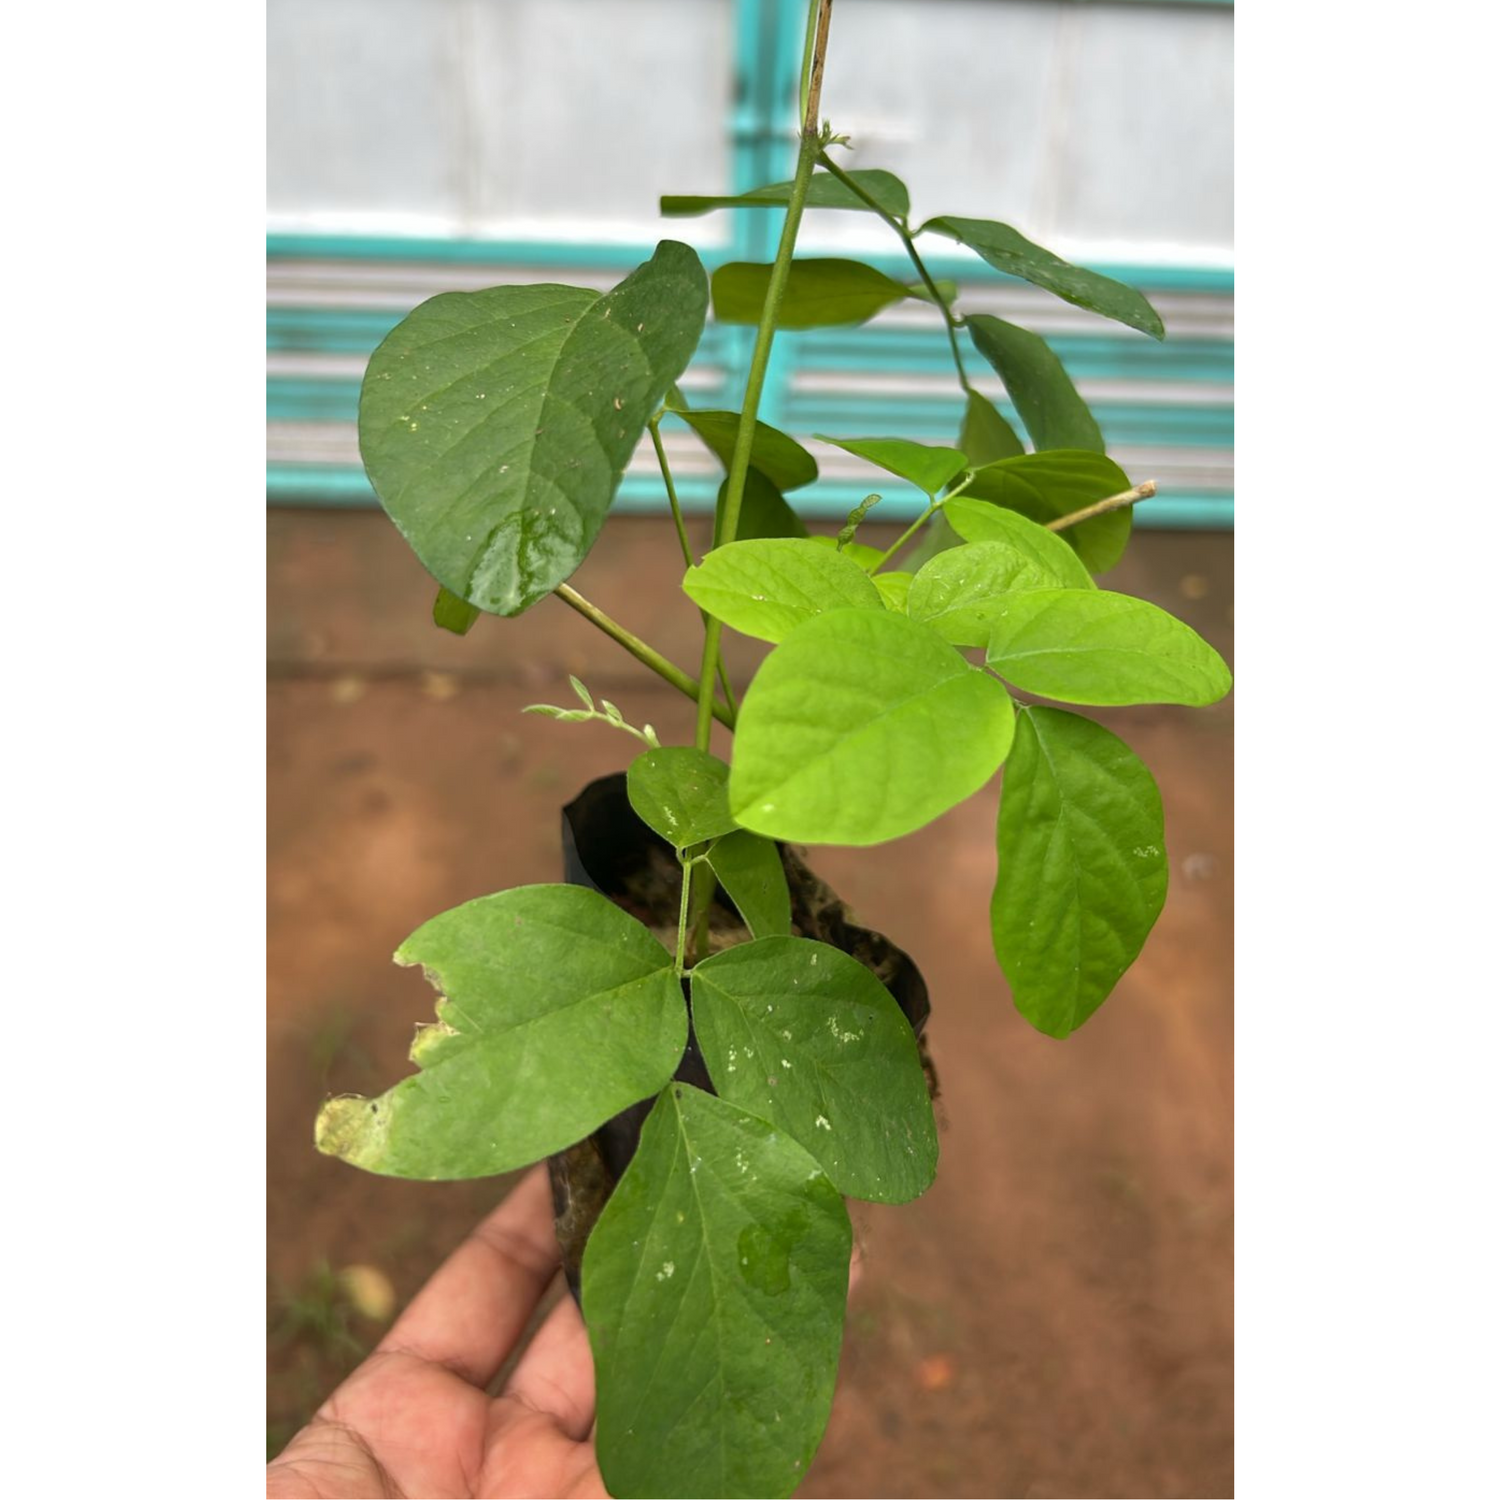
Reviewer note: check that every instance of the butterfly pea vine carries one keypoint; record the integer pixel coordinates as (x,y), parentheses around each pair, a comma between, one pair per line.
(495,427)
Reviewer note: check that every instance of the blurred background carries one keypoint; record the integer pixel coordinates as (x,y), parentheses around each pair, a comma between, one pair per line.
(1055,1316)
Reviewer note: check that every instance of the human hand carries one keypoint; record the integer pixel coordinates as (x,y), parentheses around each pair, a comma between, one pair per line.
(416,1417)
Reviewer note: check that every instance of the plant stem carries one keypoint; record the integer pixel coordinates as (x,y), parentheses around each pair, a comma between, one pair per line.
(739,466)
(933,506)
(903,230)
(1142,491)
(686,865)
(646,655)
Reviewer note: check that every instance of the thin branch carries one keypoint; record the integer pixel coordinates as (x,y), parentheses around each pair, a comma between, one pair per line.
(1103,507)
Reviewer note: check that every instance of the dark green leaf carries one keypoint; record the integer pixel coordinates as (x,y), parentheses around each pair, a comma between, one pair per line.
(1054,413)
(985,434)
(818,293)
(961,593)
(453,613)
(980,521)
(1082,867)
(767,588)
(894,589)
(861,726)
(714,1287)
(750,870)
(1010,251)
(806,1037)
(1089,646)
(823,191)
(783,460)
(557,1011)
(495,425)
(1048,486)
(682,793)
(922,464)
(763,511)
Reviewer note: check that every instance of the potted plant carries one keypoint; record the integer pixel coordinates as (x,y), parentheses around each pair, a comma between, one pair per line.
(753,1058)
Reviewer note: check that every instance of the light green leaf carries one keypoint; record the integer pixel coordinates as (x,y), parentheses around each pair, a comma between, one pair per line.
(962,592)
(861,726)
(750,870)
(857,552)
(1082,867)
(783,460)
(1010,251)
(532,980)
(1101,648)
(1054,413)
(926,466)
(1048,486)
(714,1287)
(980,521)
(823,191)
(894,589)
(985,434)
(808,1038)
(767,588)
(495,425)
(452,613)
(681,792)
(819,293)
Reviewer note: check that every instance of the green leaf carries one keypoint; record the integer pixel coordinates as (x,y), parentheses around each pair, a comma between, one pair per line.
(557,1010)
(980,521)
(1048,486)
(680,792)
(857,552)
(924,465)
(894,589)
(1101,648)
(823,191)
(985,434)
(767,588)
(763,511)
(783,460)
(452,613)
(961,593)
(861,726)
(1082,867)
(750,870)
(495,425)
(808,1038)
(1054,413)
(714,1287)
(1010,251)
(819,293)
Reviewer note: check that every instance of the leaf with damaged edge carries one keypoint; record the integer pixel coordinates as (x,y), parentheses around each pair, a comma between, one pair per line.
(531,980)
(808,1038)
(714,1287)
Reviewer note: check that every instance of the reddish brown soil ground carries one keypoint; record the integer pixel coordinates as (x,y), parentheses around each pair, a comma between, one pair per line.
(1054,1316)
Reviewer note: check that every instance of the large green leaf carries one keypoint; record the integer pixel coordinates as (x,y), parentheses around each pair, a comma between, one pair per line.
(1082,867)
(1048,486)
(783,460)
(767,588)
(681,792)
(922,464)
(960,593)
(861,726)
(714,1287)
(764,512)
(985,434)
(824,190)
(557,1011)
(1010,251)
(750,870)
(1089,646)
(808,1038)
(1054,413)
(819,293)
(495,425)
(980,521)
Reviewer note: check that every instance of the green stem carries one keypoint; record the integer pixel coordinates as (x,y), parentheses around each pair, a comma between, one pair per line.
(646,655)
(686,866)
(934,505)
(903,230)
(760,358)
